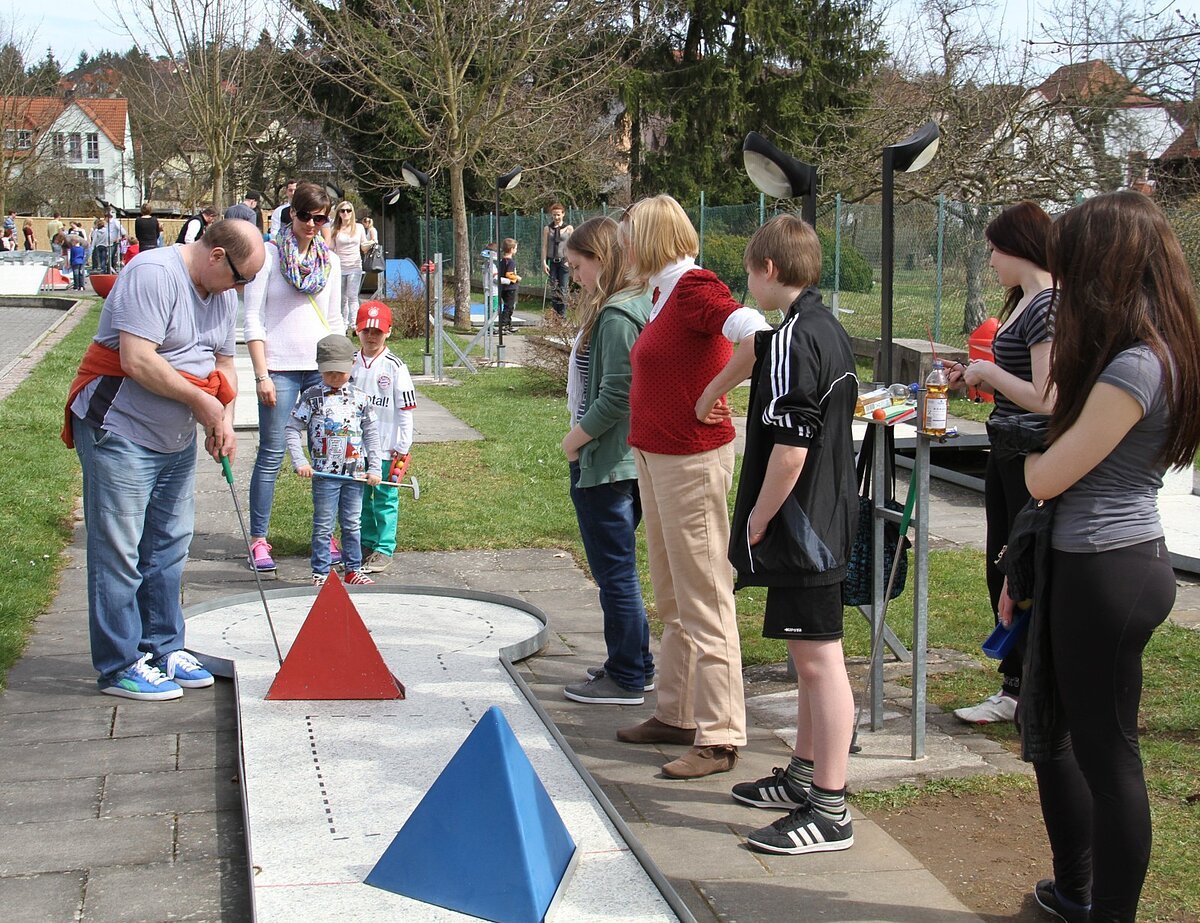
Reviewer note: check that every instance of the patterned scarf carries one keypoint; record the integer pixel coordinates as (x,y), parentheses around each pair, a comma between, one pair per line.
(308,273)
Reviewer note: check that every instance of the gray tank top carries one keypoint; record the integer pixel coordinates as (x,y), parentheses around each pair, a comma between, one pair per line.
(556,242)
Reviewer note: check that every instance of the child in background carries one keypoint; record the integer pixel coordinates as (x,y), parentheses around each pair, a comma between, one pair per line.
(509,281)
(384,378)
(341,428)
(78,258)
(793,524)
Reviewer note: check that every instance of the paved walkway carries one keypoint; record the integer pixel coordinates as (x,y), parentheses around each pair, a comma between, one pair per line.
(121,811)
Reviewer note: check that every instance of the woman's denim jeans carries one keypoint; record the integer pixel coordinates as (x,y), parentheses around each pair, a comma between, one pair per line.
(271,443)
(608,517)
(139,508)
(335,502)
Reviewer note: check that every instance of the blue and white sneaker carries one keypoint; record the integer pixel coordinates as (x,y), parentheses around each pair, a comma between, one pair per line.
(805,830)
(142,680)
(184,669)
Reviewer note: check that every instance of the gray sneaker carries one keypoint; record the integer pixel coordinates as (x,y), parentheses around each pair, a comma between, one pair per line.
(596,672)
(377,563)
(602,691)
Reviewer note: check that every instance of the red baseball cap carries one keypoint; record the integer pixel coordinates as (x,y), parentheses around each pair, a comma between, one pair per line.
(374,315)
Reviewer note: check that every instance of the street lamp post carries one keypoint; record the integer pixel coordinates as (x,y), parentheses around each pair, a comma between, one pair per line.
(907,156)
(418,180)
(389,198)
(780,175)
(504,182)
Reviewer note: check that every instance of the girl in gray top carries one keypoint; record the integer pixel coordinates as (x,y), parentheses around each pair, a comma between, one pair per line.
(1126,365)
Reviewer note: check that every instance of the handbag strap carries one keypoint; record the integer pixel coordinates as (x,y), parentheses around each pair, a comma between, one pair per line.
(865,465)
(320,316)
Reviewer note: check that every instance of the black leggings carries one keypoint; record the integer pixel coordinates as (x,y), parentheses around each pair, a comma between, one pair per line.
(1103,609)
(1004,495)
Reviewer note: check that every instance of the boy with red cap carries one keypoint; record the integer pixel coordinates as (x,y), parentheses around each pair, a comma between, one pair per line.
(385,379)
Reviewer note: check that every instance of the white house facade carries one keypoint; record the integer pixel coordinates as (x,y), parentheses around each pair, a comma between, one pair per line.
(93,135)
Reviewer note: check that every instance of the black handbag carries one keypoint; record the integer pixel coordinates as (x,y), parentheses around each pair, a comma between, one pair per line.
(856,588)
(372,260)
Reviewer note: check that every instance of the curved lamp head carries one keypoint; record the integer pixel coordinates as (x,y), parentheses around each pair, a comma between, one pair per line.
(774,172)
(414,177)
(509,179)
(391,198)
(915,151)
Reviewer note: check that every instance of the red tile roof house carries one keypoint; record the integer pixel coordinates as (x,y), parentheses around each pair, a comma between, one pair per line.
(89,134)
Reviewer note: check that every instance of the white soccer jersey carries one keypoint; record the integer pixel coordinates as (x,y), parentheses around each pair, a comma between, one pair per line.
(387,383)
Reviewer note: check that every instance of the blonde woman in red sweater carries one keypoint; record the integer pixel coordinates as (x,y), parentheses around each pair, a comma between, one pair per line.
(685,471)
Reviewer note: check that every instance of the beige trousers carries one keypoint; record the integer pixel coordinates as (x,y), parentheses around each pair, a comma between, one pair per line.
(699,664)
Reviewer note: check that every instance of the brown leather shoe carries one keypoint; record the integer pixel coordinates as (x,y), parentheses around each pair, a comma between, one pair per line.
(653,731)
(702,761)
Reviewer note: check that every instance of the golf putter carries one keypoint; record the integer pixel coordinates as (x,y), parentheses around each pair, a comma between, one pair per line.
(228,471)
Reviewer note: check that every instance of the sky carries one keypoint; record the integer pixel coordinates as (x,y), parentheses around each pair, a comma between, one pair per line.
(90,25)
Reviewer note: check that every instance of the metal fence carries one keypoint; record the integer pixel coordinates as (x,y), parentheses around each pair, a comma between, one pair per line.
(941,260)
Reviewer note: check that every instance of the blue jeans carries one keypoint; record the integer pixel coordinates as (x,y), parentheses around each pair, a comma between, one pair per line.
(340,500)
(272,445)
(139,508)
(560,278)
(608,517)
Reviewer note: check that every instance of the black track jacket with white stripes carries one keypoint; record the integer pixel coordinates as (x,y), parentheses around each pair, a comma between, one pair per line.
(802,393)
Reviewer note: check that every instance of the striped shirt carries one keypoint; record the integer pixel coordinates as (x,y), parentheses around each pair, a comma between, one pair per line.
(1013,342)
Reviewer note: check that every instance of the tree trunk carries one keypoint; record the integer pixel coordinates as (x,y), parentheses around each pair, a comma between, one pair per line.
(462,250)
(975,258)
(218,189)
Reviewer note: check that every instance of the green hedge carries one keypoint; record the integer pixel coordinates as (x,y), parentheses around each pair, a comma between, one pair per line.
(723,255)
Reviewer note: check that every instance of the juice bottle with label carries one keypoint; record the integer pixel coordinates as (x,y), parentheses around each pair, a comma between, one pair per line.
(937,400)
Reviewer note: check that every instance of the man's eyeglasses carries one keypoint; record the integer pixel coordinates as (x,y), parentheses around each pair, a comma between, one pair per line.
(238,278)
(317,219)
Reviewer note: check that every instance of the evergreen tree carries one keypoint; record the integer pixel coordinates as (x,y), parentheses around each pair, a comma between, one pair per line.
(44,76)
(716,69)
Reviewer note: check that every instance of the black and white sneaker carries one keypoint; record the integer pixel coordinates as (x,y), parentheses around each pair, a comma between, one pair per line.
(805,830)
(597,672)
(773,791)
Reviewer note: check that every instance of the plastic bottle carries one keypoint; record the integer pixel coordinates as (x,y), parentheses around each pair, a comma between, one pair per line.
(937,400)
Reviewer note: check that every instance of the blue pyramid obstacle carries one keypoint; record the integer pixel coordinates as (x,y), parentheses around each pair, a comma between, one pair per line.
(486,839)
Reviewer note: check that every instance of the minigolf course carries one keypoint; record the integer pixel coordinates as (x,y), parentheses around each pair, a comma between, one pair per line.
(422,786)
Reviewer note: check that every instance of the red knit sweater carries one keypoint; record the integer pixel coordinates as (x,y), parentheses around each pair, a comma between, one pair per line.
(673,360)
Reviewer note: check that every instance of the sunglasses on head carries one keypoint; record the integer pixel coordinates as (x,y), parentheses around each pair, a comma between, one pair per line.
(315,218)
(238,278)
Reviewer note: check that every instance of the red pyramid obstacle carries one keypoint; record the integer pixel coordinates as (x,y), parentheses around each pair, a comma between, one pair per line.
(334,656)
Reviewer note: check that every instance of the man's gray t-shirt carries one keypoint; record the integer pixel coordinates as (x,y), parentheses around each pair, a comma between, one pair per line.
(154,298)
(243,212)
(1115,504)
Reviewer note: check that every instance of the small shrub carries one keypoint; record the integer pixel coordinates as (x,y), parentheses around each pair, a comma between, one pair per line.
(723,255)
(408,312)
(856,274)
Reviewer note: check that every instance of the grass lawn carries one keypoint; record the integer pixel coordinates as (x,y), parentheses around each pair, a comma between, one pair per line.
(510,491)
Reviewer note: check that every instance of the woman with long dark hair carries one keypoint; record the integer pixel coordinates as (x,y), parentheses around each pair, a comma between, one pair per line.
(1126,365)
(294,302)
(1019,377)
(604,489)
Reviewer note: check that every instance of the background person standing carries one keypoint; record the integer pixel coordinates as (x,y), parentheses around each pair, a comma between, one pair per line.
(554,257)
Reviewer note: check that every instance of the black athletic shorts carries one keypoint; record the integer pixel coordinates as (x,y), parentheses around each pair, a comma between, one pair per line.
(809,613)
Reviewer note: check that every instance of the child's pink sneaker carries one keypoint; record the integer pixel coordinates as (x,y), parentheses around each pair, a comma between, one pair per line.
(260,556)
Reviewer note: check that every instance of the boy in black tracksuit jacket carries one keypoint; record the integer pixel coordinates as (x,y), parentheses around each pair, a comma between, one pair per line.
(793,525)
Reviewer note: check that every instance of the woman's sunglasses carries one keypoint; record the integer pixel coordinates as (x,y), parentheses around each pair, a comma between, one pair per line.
(315,218)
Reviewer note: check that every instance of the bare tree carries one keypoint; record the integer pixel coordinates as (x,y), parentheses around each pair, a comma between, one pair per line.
(483,86)
(214,88)
(24,124)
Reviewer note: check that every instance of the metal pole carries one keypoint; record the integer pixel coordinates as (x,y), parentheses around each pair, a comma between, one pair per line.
(499,324)
(428,279)
(920,641)
(808,210)
(941,240)
(701,254)
(888,266)
(762,209)
(836,295)
(438,368)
